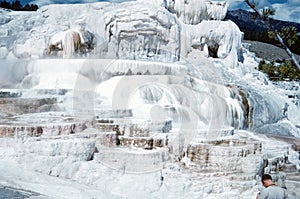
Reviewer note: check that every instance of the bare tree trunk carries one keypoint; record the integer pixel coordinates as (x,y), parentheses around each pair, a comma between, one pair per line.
(281,41)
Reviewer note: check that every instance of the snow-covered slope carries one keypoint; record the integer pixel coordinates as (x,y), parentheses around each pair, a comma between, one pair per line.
(123,92)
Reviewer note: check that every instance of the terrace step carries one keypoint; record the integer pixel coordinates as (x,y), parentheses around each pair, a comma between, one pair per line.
(132,127)
(114,113)
(41,124)
(289,168)
(209,156)
(148,143)
(231,181)
(18,105)
(10,93)
(293,176)
(132,160)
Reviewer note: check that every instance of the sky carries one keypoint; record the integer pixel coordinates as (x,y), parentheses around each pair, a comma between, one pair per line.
(288,10)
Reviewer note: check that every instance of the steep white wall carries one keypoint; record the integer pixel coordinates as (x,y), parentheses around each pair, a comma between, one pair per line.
(225,36)
(131,30)
(195,11)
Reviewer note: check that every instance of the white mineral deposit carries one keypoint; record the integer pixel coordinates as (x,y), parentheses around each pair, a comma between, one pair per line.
(139,99)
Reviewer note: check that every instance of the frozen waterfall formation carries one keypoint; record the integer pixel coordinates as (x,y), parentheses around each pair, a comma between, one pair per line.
(166,30)
(94,90)
(197,48)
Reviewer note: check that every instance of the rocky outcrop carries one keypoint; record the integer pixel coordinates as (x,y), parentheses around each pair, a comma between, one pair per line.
(70,43)
(27,105)
(210,155)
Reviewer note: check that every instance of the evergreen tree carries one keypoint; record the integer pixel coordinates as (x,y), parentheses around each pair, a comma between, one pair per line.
(287,35)
(5,4)
(16,5)
(282,72)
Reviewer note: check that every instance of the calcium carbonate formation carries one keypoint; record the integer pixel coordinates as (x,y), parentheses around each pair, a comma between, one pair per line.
(140,99)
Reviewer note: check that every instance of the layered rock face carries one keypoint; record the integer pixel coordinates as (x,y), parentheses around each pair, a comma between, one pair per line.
(109,95)
(150,31)
(194,12)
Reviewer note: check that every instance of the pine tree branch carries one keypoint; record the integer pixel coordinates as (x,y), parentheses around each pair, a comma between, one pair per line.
(281,41)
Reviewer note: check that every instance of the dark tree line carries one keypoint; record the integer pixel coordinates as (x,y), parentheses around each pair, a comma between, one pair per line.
(16,5)
(282,72)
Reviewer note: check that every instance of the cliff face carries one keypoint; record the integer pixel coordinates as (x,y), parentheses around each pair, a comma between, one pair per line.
(106,30)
